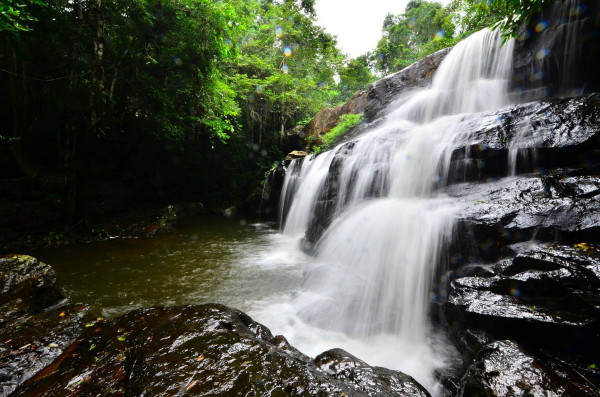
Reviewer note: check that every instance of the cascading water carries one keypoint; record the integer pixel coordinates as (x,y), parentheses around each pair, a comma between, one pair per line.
(368,287)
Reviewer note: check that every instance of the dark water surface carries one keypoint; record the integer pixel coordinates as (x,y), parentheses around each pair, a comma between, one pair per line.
(206,259)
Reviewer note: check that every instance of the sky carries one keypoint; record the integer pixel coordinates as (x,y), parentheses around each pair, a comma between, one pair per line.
(357,23)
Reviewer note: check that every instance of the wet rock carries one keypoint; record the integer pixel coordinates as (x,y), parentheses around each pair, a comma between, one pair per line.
(26,286)
(31,343)
(497,214)
(202,350)
(546,296)
(550,134)
(386,90)
(558,52)
(502,368)
(373,381)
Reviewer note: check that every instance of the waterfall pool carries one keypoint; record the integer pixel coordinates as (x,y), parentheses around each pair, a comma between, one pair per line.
(207,259)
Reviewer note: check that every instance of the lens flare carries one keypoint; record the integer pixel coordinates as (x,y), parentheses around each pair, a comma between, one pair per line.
(278,32)
(439,35)
(541,54)
(287,51)
(541,26)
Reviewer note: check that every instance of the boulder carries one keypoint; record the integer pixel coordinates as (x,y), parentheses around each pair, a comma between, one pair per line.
(205,350)
(27,286)
(295,154)
(546,296)
(31,343)
(493,215)
(503,368)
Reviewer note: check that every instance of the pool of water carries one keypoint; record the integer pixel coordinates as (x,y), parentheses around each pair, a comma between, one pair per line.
(245,265)
(207,259)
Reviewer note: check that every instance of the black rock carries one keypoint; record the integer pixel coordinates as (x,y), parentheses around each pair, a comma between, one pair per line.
(206,350)
(547,296)
(26,286)
(558,52)
(30,344)
(496,214)
(502,368)
(386,90)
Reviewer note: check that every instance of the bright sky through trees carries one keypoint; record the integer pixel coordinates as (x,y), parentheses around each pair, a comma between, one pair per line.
(357,23)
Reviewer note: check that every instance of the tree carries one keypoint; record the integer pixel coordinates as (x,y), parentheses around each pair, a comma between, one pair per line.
(15,15)
(423,28)
(356,75)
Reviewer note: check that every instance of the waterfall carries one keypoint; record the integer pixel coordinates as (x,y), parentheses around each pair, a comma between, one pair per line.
(372,273)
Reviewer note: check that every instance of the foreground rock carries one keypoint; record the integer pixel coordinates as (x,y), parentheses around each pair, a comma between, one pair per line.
(545,299)
(34,328)
(204,350)
(31,343)
(502,368)
(49,348)
(27,286)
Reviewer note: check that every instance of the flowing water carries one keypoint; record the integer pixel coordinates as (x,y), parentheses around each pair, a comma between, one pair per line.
(367,289)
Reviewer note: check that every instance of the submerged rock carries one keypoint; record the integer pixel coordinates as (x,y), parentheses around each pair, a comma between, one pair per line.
(204,350)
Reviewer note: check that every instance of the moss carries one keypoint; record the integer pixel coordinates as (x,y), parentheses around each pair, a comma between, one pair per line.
(346,123)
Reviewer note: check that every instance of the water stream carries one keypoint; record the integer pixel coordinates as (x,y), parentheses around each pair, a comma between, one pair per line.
(368,287)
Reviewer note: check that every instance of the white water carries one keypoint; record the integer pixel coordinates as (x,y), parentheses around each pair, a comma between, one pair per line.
(367,290)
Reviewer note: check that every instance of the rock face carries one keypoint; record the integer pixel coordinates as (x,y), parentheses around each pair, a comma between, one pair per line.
(328,118)
(386,90)
(204,350)
(545,298)
(558,53)
(542,136)
(546,295)
(375,99)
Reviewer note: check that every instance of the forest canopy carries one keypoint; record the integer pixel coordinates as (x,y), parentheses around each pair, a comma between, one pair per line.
(188,98)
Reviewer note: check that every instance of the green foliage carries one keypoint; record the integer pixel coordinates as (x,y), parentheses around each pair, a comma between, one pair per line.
(424,27)
(15,15)
(355,76)
(508,15)
(346,123)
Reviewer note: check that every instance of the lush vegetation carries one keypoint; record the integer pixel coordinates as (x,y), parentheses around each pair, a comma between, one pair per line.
(346,123)
(108,103)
